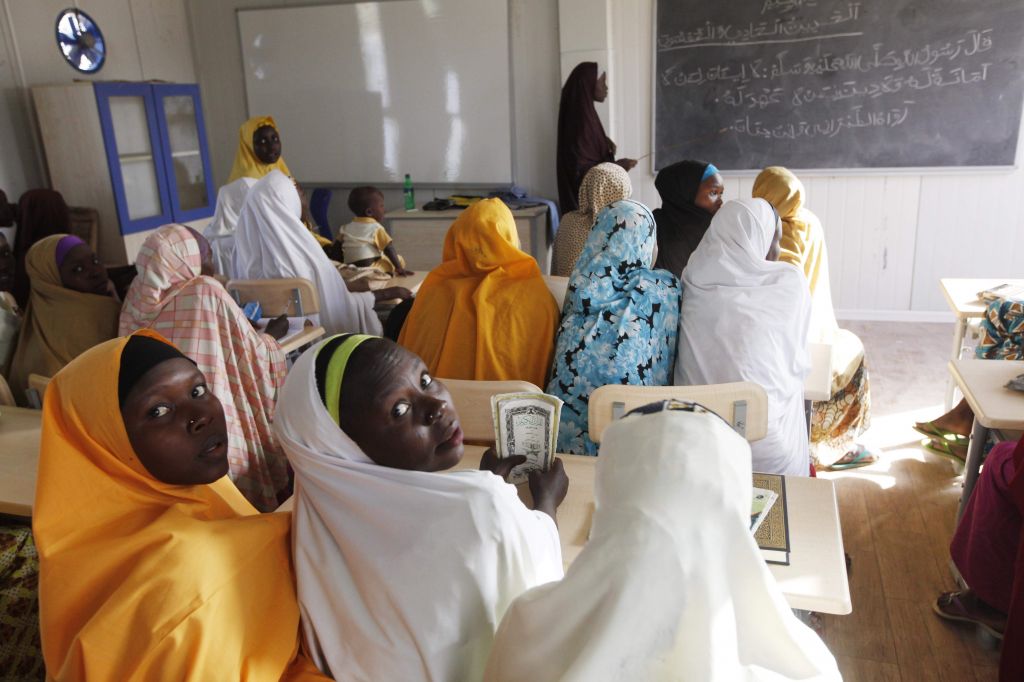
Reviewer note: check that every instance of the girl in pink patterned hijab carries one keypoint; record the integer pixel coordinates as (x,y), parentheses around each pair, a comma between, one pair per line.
(174,295)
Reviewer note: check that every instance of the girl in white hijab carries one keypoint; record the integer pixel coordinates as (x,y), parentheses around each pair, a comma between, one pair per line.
(745,318)
(271,242)
(221,230)
(403,572)
(670,585)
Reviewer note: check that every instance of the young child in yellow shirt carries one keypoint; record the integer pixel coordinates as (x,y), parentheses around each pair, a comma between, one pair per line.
(364,241)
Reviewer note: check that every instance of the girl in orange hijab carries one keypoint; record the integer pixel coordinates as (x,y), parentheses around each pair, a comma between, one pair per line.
(485,313)
(152,564)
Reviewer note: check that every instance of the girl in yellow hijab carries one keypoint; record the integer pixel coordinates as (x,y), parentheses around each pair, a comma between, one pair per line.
(259,150)
(485,313)
(834,424)
(152,564)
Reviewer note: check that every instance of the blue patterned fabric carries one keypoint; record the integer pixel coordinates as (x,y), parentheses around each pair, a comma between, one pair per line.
(619,322)
(1003,325)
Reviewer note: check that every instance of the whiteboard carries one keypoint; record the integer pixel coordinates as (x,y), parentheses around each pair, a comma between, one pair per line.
(367,92)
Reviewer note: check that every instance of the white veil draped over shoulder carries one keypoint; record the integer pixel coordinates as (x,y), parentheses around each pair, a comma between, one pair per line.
(402,575)
(271,243)
(670,585)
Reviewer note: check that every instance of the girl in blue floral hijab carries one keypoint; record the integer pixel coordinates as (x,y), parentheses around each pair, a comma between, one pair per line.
(619,322)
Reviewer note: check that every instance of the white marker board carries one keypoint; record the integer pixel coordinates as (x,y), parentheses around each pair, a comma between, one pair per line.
(369,91)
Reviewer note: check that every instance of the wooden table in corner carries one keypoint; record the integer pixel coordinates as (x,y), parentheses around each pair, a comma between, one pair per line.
(20,432)
(962,297)
(815,579)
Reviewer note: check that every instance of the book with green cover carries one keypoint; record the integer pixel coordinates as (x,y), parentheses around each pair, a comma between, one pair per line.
(772,535)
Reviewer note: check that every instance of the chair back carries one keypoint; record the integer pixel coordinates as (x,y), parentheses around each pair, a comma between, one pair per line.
(472,401)
(6,397)
(744,405)
(318,203)
(36,390)
(558,286)
(84,223)
(294,296)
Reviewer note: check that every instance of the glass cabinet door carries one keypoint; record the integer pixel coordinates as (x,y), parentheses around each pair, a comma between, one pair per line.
(186,161)
(132,140)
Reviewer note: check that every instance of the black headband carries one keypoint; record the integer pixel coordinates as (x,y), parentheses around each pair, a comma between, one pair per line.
(141,354)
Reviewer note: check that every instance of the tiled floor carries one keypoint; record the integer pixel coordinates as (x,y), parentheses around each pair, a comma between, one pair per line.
(898,517)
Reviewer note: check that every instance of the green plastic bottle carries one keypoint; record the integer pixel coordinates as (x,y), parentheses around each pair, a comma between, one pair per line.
(409,194)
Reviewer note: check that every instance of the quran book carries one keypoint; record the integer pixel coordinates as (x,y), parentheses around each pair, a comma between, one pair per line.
(526,424)
(760,506)
(772,535)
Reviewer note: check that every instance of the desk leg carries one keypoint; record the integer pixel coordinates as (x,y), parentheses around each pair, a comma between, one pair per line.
(958,343)
(539,245)
(979,435)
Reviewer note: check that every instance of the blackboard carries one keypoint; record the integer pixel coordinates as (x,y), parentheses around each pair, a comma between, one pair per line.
(837,84)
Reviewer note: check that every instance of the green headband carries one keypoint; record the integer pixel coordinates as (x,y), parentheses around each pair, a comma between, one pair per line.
(336,370)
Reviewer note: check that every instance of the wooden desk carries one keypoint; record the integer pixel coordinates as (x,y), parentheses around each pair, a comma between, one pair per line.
(962,298)
(995,407)
(20,430)
(815,579)
(419,235)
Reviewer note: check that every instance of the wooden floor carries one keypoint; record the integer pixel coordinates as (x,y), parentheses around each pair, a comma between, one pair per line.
(898,517)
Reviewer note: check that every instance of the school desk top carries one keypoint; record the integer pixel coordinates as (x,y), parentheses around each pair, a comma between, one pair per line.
(815,579)
(962,294)
(20,430)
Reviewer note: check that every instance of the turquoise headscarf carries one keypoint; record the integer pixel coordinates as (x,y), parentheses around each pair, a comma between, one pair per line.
(619,322)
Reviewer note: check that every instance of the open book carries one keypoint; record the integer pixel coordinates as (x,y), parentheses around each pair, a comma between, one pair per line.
(1011,291)
(526,424)
(772,535)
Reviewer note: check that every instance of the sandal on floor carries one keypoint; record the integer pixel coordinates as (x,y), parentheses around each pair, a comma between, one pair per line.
(948,607)
(862,457)
(935,433)
(948,450)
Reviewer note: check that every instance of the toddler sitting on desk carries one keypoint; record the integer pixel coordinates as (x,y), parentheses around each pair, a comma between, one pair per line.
(364,241)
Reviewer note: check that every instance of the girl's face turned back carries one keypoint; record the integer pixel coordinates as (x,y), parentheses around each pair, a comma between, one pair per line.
(398,414)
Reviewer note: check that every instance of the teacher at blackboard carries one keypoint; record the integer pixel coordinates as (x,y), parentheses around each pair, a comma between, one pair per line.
(582,143)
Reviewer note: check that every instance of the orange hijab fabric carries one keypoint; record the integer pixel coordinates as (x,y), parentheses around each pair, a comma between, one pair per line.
(140,580)
(485,313)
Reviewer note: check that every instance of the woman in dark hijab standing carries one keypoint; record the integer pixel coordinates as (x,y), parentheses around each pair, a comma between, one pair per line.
(582,143)
(691,193)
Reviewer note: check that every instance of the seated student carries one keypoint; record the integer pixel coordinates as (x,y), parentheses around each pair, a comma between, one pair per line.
(986,549)
(403,571)
(745,318)
(836,423)
(670,585)
(485,313)
(10,313)
(1002,339)
(175,295)
(41,213)
(364,241)
(271,242)
(221,230)
(603,184)
(691,193)
(619,322)
(72,307)
(152,564)
(259,152)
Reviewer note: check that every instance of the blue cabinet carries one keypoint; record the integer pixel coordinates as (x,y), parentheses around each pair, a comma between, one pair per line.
(155,142)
